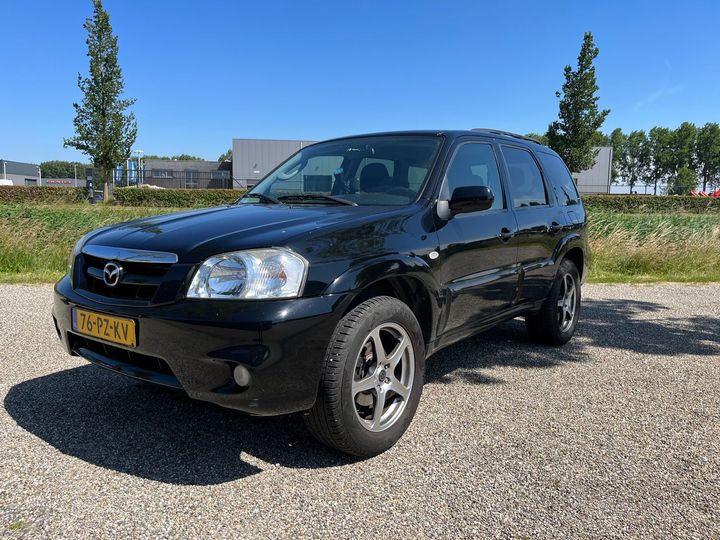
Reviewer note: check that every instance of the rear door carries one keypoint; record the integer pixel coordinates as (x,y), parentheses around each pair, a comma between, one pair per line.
(540,221)
(478,250)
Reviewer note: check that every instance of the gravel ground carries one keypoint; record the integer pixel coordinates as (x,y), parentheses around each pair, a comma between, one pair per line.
(615,434)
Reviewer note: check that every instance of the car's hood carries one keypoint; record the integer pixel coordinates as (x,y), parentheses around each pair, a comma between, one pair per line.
(194,235)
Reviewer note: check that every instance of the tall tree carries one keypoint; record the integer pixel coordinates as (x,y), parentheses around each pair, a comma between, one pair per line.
(579,118)
(662,158)
(104,131)
(634,162)
(708,154)
(684,139)
(617,141)
(226,156)
(683,182)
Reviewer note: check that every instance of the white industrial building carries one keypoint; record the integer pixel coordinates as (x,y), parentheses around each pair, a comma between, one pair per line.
(597,178)
(19,174)
(254,158)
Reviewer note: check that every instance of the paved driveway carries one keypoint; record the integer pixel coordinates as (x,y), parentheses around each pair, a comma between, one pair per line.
(615,434)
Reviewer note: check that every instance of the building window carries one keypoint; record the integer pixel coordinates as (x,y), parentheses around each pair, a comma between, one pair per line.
(31,182)
(162,173)
(191,179)
(219,175)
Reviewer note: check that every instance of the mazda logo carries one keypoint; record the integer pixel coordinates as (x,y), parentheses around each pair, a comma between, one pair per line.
(112,274)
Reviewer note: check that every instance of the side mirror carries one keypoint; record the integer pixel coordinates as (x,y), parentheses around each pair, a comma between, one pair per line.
(470,199)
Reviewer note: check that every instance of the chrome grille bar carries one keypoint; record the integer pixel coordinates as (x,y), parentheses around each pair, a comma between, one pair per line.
(130,255)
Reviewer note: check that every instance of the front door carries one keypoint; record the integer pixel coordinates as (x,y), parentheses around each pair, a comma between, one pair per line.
(478,250)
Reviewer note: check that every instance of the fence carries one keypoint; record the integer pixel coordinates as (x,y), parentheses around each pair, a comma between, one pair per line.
(175,179)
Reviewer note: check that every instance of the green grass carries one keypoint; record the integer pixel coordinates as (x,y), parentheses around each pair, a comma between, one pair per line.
(647,248)
(35,241)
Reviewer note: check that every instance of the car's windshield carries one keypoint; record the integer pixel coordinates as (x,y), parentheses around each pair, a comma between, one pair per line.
(382,170)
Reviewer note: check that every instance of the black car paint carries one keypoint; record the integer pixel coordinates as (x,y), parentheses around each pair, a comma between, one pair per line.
(463,275)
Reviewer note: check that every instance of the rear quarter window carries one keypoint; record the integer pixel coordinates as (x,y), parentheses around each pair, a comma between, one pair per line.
(560,179)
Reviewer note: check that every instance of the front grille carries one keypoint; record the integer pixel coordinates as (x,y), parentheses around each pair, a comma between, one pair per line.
(124,356)
(139,281)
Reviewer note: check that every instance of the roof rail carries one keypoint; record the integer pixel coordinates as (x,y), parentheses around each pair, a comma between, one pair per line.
(506,133)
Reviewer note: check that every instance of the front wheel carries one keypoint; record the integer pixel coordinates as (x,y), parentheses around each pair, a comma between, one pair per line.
(557,319)
(372,379)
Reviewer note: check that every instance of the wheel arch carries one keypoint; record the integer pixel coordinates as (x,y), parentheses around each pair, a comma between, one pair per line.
(574,248)
(410,280)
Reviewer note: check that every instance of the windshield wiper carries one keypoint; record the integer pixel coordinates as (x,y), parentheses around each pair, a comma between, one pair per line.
(265,198)
(316,197)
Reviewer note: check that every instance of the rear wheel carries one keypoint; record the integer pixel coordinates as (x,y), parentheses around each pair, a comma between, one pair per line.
(372,379)
(556,321)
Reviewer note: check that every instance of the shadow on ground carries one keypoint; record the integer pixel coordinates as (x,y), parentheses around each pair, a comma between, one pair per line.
(152,433)
(644,328)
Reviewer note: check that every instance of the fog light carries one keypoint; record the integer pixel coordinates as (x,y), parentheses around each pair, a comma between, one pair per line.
(241,375)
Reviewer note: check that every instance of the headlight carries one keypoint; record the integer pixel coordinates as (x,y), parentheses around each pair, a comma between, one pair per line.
(252,274)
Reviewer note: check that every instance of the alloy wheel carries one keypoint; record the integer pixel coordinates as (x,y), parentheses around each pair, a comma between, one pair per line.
(383,377)
(567,302)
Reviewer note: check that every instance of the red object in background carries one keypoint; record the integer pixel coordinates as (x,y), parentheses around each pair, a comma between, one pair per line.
(715,193)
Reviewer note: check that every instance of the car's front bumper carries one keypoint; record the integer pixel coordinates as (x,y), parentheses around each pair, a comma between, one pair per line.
(282,344)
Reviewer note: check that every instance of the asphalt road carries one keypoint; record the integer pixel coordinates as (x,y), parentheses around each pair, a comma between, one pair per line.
(617,434)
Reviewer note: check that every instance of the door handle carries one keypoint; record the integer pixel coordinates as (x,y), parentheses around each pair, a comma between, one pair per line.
(506,234)
(555,227)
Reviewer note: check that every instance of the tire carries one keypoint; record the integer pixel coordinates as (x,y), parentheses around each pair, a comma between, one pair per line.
(552,324)
(345,415)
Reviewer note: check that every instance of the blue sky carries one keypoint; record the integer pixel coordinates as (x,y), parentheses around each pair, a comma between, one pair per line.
(206,72)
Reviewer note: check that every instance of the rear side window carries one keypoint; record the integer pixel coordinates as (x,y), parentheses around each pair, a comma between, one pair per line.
(526,183)
(474,164)
(560,178)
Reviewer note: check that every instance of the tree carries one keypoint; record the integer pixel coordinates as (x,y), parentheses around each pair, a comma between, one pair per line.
(617,141)
(682,183)
(227,156)
(600,139)
(708,154)
(579,118)
(684,140)
(178,157)
(634,162)
(62,169)
(103,130)
(661,152)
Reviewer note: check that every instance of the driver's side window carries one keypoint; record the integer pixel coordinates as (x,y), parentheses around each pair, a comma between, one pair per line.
(474,164)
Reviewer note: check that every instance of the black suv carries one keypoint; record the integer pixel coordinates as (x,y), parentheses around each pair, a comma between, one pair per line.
(324,289)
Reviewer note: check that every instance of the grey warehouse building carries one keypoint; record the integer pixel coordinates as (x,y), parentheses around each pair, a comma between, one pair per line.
(597,178)
(254,158)
(20,174)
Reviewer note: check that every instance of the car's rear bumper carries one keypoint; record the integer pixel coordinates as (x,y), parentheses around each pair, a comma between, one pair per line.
(196,344)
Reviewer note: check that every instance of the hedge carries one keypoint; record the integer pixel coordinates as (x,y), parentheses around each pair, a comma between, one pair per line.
(188,198)
(176,197)
(42,194)
(651,204)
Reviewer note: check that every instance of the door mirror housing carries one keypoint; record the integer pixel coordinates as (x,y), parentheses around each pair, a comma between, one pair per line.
(471,199)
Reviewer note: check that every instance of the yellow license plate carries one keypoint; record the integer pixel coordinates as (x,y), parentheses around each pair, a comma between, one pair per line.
(105,327)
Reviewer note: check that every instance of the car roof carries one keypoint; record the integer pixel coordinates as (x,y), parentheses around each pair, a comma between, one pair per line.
(456,133)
